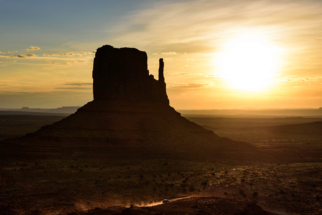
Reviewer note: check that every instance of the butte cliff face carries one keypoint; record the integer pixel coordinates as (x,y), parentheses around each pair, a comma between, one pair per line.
(122,74)
(130,117)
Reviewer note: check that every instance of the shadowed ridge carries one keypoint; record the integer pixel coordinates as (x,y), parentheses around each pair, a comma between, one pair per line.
(130,117)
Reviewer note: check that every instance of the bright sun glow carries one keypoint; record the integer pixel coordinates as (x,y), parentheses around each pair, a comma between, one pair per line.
(248,63)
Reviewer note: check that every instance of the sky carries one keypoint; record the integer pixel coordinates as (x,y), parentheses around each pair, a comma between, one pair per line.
(218,54)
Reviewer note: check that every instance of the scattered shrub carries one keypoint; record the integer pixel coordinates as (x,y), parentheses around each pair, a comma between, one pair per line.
(204,183)
(241,192)
(192,189)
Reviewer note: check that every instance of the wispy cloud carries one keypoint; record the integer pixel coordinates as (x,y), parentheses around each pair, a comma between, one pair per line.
(168,53)
(76,86)
(32,48)
(189,85)
(23,56)
(68,54)
(51,55)
(204,25)
(79,84)
(65,54)
(73,88)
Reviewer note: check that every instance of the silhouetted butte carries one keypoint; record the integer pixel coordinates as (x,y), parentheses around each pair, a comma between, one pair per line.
(130,117)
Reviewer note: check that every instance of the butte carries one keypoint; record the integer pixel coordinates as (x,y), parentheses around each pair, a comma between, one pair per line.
(129,118)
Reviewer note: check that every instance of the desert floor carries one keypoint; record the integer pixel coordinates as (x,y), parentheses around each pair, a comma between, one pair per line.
(79,186)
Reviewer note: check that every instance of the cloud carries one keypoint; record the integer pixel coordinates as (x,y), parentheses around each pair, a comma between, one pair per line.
(79,84)
(32,48)
(64,63)
(92,52)
(212,76)
(68,54)
(180,73)
(302,79)
(1,52)
(204,25)
(168,53)
(64,54)
(31,55)
(73,88)
(23,56)
(51,55)
(190,85)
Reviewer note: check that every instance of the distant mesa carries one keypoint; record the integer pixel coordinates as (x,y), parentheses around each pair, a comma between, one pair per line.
(130,117)
(39,111)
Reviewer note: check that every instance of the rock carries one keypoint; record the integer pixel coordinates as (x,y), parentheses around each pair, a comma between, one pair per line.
(122,74)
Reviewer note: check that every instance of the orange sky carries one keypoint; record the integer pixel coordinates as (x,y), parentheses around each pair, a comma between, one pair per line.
(47,62)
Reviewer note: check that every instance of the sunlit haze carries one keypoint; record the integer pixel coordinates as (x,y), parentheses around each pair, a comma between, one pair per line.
(248,63)
(217,55)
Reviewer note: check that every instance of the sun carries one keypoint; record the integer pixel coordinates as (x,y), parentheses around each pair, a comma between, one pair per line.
(248,63)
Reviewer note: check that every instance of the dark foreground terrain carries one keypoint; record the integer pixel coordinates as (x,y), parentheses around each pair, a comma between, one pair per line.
(62,187)
(95,186)
(192,205)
